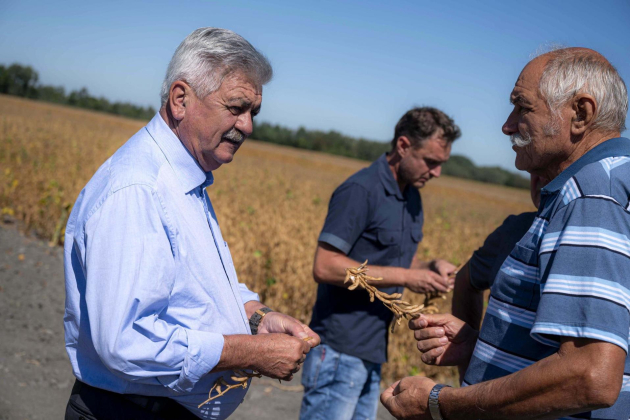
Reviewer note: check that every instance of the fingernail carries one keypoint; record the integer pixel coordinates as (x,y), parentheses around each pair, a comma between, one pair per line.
(439,331)
(423,323)
(443,340)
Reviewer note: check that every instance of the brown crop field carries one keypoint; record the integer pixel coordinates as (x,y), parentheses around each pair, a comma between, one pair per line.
(271,203)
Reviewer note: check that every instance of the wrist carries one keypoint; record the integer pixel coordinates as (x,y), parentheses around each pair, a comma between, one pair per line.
(238,353)
(255,321)
(446,398)
(435,402)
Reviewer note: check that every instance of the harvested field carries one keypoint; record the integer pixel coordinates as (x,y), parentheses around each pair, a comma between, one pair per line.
(271,203)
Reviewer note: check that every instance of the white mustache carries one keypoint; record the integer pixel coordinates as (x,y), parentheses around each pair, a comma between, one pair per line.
(519,140)
(234,135)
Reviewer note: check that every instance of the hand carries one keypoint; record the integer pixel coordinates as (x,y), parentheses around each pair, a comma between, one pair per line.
(443,339)
(409,398)
(276,322)
(442,267)
(424,281)
(278,355)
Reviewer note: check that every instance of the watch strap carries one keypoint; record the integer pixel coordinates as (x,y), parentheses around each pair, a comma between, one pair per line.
(434,405)
(256,318)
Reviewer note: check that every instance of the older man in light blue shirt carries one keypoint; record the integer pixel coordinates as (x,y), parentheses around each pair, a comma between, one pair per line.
(154,311)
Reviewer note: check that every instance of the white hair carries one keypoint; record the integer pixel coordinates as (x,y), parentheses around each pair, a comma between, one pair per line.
(571,71)
(208,55)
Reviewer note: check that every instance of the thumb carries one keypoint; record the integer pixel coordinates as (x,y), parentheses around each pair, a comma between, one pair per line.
(436,320)
(441,279)
(388,393)
(296,329)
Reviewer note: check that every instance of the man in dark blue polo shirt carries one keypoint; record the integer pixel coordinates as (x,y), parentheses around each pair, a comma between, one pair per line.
(376,214)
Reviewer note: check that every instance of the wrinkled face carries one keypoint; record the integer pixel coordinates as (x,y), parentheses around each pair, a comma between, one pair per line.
(217,125)
(421,164)
(532,122)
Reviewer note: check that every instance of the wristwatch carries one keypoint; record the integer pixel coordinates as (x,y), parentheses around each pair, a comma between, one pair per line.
(254,321)
(434,405)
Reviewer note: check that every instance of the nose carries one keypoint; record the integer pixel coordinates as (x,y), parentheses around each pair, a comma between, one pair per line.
(436,172)
(245,124)
(510,126)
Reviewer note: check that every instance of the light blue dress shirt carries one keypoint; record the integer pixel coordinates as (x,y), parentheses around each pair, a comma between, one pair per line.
(150,284)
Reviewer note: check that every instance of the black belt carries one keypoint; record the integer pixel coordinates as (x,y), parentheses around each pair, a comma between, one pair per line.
(102,403)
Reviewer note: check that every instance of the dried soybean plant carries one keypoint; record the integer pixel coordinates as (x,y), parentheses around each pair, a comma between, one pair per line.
(240,379)
(358,277)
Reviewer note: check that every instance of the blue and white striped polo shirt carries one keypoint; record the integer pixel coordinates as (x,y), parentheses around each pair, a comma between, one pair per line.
(569,276)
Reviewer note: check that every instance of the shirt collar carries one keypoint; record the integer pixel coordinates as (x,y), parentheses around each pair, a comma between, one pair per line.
(387,177)
(619,146)
(183,163)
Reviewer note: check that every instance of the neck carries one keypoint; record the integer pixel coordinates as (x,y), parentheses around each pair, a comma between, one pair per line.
(173,124)
(393,160)
(582,145)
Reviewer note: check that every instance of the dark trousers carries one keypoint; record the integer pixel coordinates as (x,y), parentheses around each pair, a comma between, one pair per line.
(89,403)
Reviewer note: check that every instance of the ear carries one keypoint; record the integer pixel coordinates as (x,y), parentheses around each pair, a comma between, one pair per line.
(403,146)
(584,109)
(179,94)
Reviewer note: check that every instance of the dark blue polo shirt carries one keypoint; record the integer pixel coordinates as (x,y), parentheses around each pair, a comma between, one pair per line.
(486,262)
(368,218)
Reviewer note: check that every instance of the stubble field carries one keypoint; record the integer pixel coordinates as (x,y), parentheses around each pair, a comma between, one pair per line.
(271,203)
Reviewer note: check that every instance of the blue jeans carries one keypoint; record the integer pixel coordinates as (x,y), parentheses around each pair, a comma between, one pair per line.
(338,386)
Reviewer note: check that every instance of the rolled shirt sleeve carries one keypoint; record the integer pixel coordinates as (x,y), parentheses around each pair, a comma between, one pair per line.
(347,217)
(130,272)
(585,286)
(246,294)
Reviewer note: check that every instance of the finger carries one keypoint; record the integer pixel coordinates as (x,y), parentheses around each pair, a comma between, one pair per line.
(430,357)
(442,281)
(306,347)
(430,321)
(399,387)
(389,392)
(438,285)
(418,323)
(428,333)
(295,328)
(427,345)
(313,338)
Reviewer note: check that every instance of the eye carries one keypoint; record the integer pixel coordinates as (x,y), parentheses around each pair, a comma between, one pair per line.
(236,110)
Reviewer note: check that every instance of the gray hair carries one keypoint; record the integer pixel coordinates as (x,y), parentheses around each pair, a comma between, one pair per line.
(208,55)
(571,71)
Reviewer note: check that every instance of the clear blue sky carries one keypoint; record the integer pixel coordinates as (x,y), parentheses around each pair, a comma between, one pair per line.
(353,66)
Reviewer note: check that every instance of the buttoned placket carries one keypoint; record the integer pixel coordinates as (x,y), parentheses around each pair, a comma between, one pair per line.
(218,239)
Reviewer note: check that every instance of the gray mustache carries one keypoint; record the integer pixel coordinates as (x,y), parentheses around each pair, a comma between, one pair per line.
(519,140)
(234,135)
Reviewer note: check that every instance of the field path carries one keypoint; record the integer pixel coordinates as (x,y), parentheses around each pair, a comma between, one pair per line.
(35,375)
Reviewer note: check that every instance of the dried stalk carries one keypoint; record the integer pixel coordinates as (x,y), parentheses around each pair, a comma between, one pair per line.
(400,308)
(240,377)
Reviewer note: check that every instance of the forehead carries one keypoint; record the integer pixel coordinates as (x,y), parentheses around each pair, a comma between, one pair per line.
(238,84)
(529,79)
(435,148)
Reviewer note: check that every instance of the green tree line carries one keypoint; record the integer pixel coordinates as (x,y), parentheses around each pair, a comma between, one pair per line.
(20,80)
(336,143)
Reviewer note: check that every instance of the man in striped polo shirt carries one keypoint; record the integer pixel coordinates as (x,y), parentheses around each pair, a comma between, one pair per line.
(554,341)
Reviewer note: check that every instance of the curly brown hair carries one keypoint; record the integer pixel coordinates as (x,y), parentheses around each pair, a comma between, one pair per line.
(419,124)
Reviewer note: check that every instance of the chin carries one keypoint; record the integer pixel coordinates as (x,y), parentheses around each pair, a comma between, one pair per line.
(419,184)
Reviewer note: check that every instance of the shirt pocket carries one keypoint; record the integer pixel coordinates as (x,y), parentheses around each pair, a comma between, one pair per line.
(416,234)
(388,237)
(519,278)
